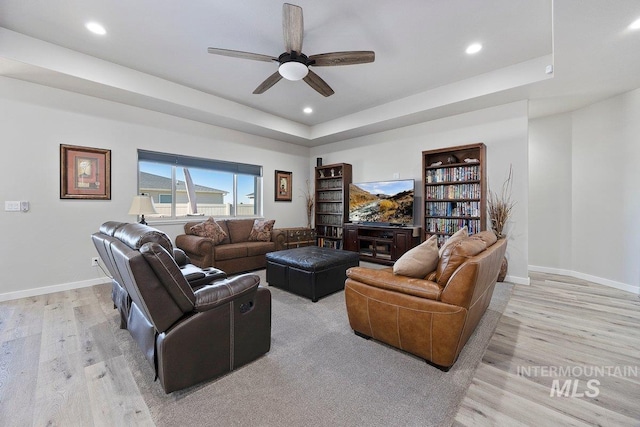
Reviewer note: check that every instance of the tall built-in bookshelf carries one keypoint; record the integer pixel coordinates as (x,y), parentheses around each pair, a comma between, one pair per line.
(332,201)
(455,190)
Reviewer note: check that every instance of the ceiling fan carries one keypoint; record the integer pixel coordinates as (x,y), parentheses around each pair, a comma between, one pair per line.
(294,65)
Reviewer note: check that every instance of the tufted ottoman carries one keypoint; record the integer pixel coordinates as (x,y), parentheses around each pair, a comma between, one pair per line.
(310,271)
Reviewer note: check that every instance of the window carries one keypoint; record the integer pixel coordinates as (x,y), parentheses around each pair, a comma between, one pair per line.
(184,186)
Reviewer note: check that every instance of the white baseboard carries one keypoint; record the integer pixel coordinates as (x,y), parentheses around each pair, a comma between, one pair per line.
(590,278)
(517,280)
(50,289)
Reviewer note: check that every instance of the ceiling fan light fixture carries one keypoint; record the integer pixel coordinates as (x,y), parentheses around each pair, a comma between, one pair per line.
(293,70)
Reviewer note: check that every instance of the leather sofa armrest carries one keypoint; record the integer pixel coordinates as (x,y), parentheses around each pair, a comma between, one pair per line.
(279,237)
(226,290)
(195,244)
(385,279)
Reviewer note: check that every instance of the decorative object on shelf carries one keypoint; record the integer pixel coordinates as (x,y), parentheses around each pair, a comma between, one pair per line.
(321,172)
(85,173)
(500,207)
(309,202)
(471,161)
(283,186)
(318,161)
(142,205)
(333,172)
(435,164)
(452,159)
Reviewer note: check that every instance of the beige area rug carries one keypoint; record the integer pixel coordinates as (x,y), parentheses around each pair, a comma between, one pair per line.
(319,373)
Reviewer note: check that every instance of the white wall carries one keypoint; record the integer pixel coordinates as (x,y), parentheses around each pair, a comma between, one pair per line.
(585,202)
(50,246)
(606,194)
(504,131)
(550,192)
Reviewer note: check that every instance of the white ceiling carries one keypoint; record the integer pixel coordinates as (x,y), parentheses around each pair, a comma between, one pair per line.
(420,73)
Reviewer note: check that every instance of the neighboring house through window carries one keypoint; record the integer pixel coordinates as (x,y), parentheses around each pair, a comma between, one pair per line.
(183,186)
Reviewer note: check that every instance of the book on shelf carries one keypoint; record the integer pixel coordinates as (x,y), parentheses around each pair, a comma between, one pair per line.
(329,243)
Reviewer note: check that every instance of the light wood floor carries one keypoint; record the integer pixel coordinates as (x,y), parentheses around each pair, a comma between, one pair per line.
(60,364)
(560,323)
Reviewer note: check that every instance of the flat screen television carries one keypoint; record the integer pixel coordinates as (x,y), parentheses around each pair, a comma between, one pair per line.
(382,202)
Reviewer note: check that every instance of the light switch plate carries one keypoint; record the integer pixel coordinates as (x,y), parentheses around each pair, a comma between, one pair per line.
(12,206)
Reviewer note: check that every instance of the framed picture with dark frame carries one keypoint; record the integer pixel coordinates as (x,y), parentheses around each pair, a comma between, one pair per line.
(283,186)
(85,173)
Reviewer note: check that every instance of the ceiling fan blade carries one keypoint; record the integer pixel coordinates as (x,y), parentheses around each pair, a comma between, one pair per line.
(318,84)
(292,27)
(240,54)
(270,81)
(343,58)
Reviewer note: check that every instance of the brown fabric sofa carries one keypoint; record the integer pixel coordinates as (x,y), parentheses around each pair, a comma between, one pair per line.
(235,253)
(187,336)
(433,317)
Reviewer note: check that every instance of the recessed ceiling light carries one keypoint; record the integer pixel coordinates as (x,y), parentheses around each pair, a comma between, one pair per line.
(96,28)
(308,110)
(635,25)
(474,48)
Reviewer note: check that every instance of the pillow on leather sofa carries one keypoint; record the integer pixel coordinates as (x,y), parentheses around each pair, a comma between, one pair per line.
(419,261)
(460,234)
(211,229)
(454,255)
(489,237)
(239,230)
(261,231)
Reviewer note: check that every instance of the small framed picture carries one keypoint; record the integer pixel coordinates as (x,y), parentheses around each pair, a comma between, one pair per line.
(283,186)
(85,173)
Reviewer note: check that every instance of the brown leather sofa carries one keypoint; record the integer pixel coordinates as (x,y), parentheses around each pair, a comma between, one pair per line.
(433,317)
(187,336)
(235,253)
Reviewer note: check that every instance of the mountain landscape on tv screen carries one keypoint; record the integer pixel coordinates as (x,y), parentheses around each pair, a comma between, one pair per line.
(372,202)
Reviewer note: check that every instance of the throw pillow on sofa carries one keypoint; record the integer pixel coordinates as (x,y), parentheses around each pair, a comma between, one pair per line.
(419,261)
(261,231)
(211,229)
(460,234)
(455,254)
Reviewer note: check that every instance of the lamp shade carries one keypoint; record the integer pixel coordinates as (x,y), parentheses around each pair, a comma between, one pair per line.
(142,205)
(293,70)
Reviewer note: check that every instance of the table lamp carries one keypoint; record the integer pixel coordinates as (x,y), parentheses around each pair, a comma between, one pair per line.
(141,205)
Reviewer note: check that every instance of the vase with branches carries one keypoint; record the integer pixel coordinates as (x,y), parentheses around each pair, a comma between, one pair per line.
(310,202)
(500,206)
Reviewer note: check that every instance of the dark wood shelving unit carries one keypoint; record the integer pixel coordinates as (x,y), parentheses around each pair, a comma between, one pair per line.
(331,203)
(455,190)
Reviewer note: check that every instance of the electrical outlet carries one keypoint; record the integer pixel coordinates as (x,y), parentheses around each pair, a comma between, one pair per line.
(94,262)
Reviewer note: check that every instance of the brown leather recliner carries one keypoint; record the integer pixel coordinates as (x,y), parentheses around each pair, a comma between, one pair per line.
(196,276)
(188,336)
(433,317)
